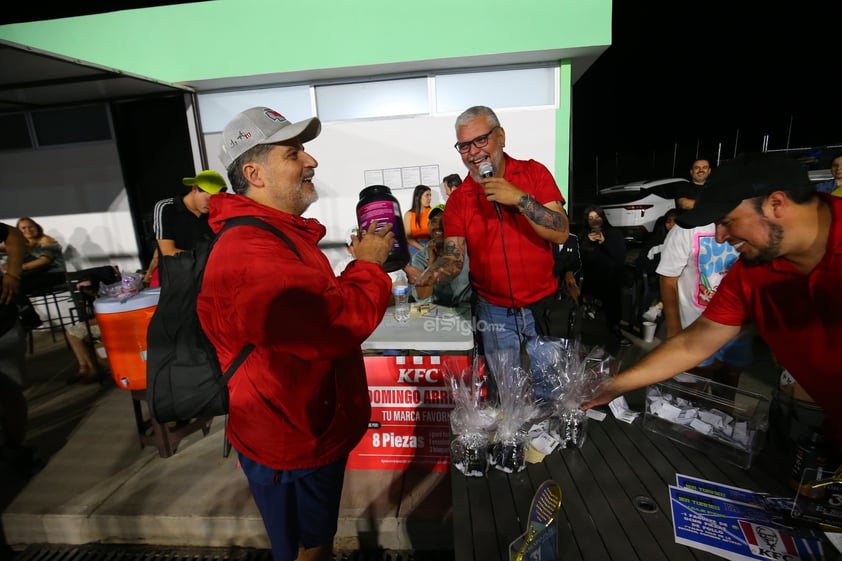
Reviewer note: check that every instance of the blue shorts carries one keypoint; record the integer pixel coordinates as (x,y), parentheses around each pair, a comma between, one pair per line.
(298,507)
(736,352)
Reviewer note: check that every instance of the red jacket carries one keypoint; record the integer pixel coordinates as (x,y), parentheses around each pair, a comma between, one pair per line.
(300,399)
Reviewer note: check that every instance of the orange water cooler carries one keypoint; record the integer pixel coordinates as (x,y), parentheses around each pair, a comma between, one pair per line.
(123,326)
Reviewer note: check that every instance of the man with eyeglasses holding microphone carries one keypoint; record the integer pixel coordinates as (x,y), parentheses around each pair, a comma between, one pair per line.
(506,214)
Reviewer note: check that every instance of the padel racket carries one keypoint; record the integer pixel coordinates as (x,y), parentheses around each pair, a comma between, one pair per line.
(545,506)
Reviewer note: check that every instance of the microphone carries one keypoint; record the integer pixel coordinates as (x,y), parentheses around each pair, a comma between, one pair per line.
(487,170)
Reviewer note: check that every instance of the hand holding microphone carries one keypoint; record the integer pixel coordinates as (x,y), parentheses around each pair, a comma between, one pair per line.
(487,170)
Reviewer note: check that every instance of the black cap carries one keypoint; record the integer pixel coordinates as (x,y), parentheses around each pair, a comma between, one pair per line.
(746,176)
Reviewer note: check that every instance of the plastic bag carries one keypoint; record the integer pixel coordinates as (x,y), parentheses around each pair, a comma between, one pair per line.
(472,420)
(130,284)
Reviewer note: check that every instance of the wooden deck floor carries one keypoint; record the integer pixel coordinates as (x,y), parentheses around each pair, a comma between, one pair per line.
(602,483)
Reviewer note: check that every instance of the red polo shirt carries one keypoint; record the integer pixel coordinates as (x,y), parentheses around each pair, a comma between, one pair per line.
(799,316)
(468,214)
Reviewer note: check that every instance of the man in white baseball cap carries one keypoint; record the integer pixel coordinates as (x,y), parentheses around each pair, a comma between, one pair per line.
(299,403)
(261,125)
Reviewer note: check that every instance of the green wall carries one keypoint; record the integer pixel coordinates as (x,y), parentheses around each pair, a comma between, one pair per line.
(226,38)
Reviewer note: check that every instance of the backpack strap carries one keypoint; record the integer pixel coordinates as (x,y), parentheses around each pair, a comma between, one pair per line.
(263,225)
(257,223)
(241,357)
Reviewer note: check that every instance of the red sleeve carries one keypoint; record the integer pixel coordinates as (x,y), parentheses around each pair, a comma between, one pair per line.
(454,224)
(545,190)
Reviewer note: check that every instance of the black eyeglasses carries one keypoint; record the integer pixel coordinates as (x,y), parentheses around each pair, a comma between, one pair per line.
(480,142)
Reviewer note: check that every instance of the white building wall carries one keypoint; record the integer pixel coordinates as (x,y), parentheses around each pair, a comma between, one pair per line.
(51,185)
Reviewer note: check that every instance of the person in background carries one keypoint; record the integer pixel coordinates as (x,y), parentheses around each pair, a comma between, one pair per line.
(349,249)
(507,223)
(603,252)
(43,268)
(14,249)
(88,283)
(693,264)
(568,272)
(650,251)
(181,222)
(699,173)
(399,276)
(648,258)
(455,293)
(299,403)
(449,183)
(568,268)
(786,282)
(415,219)
(835,183)
(77,335)
(14,415)
(151,276)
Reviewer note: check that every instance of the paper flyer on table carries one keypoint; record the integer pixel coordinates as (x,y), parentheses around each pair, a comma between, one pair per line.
(720,490)
(736,530)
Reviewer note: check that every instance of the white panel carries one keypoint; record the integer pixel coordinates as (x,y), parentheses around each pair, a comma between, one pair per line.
(219,108)
(373,99)
(508,88)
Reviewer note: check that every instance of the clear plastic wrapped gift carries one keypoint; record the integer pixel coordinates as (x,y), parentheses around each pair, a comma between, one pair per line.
(469,453)
(519,409)
(571,427)
(472,420)
(509,453)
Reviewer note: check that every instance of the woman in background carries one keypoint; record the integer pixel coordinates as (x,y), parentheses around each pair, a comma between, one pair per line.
(603,252)
(43,266)
(415,219)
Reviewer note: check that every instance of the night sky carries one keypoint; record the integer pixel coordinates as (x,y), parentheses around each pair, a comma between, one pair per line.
(698,75)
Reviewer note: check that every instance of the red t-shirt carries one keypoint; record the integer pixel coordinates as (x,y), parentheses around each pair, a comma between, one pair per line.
(799,316)
(468,214)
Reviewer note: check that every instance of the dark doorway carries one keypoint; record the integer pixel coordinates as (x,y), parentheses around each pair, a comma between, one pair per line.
(153,143)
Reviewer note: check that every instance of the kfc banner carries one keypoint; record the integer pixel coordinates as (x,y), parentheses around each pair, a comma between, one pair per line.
(410,413)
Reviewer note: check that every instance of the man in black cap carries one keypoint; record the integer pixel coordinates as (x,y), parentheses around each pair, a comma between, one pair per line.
(788,281)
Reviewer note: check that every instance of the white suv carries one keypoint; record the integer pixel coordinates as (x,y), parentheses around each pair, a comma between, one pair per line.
(633,208)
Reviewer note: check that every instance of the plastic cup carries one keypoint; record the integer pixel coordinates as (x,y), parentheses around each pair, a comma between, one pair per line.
(649,331)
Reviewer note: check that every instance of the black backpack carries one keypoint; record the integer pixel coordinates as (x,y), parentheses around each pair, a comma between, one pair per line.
(183,378)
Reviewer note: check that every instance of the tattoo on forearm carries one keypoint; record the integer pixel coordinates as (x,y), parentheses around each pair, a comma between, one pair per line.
(541,215)
(449,263)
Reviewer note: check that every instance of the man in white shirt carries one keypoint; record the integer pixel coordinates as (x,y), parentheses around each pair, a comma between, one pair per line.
(692,265)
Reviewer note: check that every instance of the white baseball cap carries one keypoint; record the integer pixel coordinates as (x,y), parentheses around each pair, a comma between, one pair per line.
(261,125)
